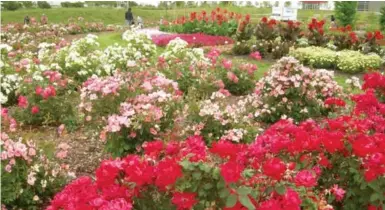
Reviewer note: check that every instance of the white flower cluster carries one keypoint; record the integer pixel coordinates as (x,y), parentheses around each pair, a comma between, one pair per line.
(177,49)
(9,83)
(354,82)
(235,134)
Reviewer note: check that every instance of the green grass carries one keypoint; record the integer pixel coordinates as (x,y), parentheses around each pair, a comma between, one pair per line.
(108,39)
(152,16)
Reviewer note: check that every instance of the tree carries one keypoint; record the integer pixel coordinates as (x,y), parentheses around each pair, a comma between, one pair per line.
(382,18)
(345,12)
(27,4)
(11,5)
(249,4)
(43,5)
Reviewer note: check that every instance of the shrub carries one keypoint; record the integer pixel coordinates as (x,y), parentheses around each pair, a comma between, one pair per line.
(345,12)
(316,35)
(189,67)
(266,29)
(353,61)
(28,178)
(317,57)
(290,90)
(382,18)
(130,108)
(43,5)
(238,80)
(348,61)
(28,4)
(11,5)
(289,166)
(72,4)
(219,117)
(220,22)
(46,98)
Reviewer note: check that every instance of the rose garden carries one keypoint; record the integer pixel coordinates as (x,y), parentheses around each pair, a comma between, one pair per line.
(211,110)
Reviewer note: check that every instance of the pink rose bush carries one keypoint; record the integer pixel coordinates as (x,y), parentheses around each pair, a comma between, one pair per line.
(28,177)
(45,98)
(290,90)
(133,107)
(289,166)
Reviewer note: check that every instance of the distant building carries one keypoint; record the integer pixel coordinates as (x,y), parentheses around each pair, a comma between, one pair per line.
(372,6)
(317,5)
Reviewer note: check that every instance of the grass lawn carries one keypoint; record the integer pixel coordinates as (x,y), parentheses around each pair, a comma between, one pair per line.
(152,16)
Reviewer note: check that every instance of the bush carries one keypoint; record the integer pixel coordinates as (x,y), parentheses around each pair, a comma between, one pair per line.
(189,67)
(289,166)
(43,5)
(352,61)
(46,98)
(348,61)
(316,57)
(28,4)
(11,5)
(346,12)
(130,108)
(382,19)
(28,178)
(72,4)
(290,90)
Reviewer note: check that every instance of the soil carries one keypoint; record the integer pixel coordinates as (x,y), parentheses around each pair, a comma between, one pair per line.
(85,154)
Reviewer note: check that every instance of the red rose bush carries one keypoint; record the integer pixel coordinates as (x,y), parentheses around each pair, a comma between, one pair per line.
(290,166)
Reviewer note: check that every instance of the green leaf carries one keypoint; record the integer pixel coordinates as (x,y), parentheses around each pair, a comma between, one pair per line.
(374,197)
(224,193)
(231,201)
(197,175)
(207,186)
(246,202)
(243,190)
(280,189)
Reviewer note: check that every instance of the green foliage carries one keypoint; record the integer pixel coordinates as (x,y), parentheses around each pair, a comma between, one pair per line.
(28,4)
(345,12)
(43,5)
(11,5)
(382,18)
(72,4)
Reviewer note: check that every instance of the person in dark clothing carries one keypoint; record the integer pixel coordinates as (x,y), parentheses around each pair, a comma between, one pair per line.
(129,17)
(333,24)
(26,20)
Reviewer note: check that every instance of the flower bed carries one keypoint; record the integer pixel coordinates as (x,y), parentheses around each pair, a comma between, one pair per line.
(197,39)
(347,60)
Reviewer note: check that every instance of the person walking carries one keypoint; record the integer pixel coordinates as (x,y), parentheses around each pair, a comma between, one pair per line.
(129,17)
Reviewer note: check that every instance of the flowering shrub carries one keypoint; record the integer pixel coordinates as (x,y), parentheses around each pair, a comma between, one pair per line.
(29,178)
(238,80)
(267,29)
(140,45)
(81,59)
(347,60)
(274,49)
(316,34)
(290,90)
(317,57)
(375,81)
(353,61)
(189,67)
(324,165)
(195,40)
(217,118)
(46,98)
(220,22)
(132,107)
